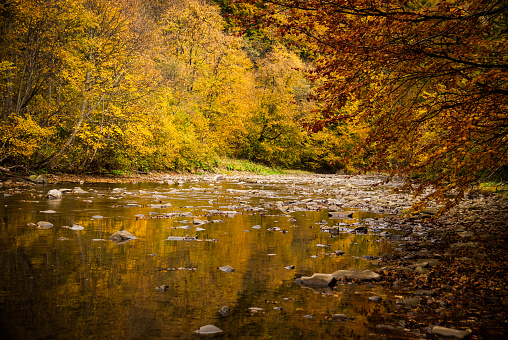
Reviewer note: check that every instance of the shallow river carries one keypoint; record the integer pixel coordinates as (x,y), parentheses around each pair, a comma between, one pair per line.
(71,281)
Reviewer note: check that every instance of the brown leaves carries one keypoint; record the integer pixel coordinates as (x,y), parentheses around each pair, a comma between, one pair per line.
(432,83)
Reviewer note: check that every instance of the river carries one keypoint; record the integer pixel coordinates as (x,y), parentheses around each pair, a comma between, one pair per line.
(72,281)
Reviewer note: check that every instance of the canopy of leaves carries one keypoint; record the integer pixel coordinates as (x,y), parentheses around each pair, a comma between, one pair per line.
(430,78)
(93,85)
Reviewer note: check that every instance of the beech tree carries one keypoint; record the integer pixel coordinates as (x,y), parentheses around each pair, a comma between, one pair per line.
(430,78)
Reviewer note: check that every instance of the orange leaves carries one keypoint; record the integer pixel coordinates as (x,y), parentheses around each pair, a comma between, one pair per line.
(432,82)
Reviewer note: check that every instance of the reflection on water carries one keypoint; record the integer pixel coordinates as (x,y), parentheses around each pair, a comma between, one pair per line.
(60,283)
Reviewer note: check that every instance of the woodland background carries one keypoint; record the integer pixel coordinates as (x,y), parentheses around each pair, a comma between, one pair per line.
(150,85)
(417,89)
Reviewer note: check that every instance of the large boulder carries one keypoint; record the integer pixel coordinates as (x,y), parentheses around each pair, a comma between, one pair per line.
(356,274)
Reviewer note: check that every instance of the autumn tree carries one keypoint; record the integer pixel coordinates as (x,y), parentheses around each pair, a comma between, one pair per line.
(273,134)
(430,77)
(70,74)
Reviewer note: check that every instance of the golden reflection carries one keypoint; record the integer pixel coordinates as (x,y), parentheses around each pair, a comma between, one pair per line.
(90,287)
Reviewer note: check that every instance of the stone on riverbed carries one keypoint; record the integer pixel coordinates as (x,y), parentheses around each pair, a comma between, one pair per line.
(227,269)
(449,332)
(208,329)
(429,211)
(122,236)
(340,214)
(317,280)
(54,194)
(460,245)
(465,234)
(44,225)
(78,190)
(425,263)
(352,274)
(340,317)
(197,221)
(224,311)
(414,301)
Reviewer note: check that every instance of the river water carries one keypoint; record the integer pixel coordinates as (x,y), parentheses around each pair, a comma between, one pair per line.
(61,283)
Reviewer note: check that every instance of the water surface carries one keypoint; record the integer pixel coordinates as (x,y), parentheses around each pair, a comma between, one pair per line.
(60,283)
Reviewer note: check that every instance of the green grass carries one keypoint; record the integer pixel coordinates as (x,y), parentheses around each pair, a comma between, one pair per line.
(241,165)
(121,172)
(494,187)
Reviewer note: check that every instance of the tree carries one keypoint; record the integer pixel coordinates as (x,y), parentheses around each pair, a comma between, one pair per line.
(430,78)
(70,72)
(273,134)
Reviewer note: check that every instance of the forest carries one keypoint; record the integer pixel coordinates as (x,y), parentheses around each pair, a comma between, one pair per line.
(414,88)
(159,85)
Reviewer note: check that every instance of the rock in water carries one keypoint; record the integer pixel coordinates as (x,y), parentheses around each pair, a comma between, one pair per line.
(317,280)
(77,227)
(197,221)
(208,329)
(122,236)
(340,317)
(227,269)
(449,332)
(340,214)
(162,288)
(224,311)
(361,230)
(351,274)
(44,225)
(54,194)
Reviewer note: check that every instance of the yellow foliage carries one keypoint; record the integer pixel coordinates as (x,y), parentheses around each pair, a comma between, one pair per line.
(22,137)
